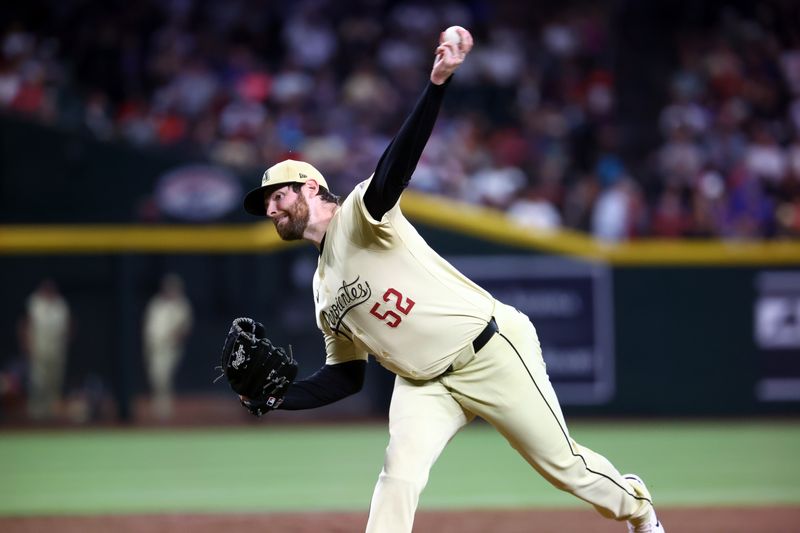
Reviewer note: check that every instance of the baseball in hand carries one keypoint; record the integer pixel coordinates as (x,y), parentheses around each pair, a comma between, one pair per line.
(451,35)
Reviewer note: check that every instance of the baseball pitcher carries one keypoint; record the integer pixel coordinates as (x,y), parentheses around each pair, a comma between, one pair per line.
(457,352)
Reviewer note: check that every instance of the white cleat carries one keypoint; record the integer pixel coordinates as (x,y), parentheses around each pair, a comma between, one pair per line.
(652,525)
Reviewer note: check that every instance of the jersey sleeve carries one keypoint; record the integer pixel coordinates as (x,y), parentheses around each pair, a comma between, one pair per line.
(341,351)
(360,227)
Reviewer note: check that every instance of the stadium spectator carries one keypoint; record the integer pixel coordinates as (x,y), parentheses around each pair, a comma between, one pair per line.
(538,104)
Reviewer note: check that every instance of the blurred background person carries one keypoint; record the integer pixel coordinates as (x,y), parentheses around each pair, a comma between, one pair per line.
(167,321)
(45,333)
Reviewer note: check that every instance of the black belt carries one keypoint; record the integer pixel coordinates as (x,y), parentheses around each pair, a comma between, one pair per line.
(480,341)
(484,336)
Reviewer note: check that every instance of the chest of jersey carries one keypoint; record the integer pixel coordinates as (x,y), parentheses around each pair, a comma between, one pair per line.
(383,289)
(408,310)
(365,300)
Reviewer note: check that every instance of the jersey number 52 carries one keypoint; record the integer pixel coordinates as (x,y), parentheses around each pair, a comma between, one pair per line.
(391,318)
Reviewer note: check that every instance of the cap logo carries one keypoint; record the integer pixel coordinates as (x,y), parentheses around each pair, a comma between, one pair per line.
(302,176)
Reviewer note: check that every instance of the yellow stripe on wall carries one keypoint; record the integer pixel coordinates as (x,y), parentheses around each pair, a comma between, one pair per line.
(493,225)
(59,239)
(480,222)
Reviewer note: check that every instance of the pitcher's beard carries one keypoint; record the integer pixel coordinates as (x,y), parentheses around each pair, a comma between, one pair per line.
(294,224)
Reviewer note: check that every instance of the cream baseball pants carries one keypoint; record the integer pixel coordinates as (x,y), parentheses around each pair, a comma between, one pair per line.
(506,384)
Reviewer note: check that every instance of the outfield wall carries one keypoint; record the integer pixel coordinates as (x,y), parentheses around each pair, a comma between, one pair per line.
(647,340)
(644,328)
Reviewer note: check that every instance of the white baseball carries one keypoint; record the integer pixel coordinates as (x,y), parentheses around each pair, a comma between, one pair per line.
(451,35)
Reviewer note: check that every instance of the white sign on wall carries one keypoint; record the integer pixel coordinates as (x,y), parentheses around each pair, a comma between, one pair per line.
(776,332)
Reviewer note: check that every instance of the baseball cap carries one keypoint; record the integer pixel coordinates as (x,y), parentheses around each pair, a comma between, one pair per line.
(283,173)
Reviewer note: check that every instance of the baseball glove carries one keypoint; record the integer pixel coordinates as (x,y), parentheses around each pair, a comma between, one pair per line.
(256,369)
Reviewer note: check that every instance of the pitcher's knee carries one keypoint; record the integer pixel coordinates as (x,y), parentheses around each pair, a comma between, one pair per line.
(397,479)
(397,472)
(407,461)
(570,475)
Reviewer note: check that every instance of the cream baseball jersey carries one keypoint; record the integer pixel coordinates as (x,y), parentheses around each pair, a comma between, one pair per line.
(380,289)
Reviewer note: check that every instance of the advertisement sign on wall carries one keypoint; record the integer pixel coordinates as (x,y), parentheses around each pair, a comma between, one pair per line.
(776,331)
(570,304)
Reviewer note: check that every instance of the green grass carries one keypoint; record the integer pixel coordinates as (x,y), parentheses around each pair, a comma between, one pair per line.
(278,468)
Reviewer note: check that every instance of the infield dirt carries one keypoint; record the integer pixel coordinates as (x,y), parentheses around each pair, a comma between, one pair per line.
(696,520)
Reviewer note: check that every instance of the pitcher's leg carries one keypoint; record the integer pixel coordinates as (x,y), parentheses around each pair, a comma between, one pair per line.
(570,466)
(423,417)
(526,411)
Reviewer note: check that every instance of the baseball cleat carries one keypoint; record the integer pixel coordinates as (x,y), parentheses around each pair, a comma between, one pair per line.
(652,525)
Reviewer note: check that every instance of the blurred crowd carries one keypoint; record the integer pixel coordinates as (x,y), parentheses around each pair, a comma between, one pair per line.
(529,126)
